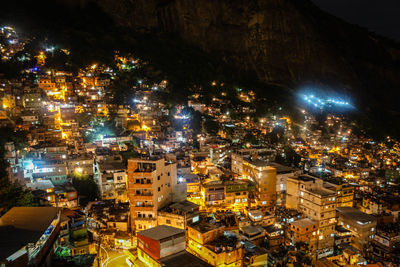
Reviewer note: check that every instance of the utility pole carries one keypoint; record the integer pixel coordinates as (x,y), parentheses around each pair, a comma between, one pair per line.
(98,250)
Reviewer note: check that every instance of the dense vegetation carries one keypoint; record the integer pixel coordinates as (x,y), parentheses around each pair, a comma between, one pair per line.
(12,194)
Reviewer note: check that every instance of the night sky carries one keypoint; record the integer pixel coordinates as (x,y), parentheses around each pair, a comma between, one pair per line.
(380,16)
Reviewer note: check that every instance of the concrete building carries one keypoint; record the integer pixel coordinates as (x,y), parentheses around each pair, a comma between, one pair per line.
(111,179)
(159,242)
(28,236)
(308,194)
(80,164)
(150,183)
(239,156)
(303,230)
(344,192)
(73,237)
(209,242)
(264,177)
(163,246)
(178,214)
(361,225)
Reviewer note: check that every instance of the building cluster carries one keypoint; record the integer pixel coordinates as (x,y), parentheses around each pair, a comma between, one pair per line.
(140,177)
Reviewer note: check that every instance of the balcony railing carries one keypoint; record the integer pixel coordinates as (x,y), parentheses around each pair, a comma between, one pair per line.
(144,205)
(144,194)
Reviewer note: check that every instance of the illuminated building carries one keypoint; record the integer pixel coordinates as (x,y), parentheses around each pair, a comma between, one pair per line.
(304,230)
(218,195)
(47,187)
(150,185)
(254,234)
(239,156)
(32,99)
(73,239)
(193,188)
(163,246)
(54,170)
(46,84)
(29,235)
(111,179)
(41,58)
(81,164)
(215,244)
(344,193)
(158,242)
(66,196)
(308,194)
(361,225)
(275,235)
(385,243)
(373,205)
(8,102)
(264,177)
(178,214)
(237,194)
(30,119)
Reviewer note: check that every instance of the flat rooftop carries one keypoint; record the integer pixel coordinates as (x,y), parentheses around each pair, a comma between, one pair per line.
(355,214)
(183,259)
(23,225)
(161,232)
(323,192)
(305,222)
(281,168)
(185,206)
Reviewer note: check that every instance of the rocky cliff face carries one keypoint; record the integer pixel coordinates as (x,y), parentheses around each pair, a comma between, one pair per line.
(285,42)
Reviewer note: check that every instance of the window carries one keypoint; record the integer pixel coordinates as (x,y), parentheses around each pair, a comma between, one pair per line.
(158,178)
(168,221)
(168,174)
(159,189)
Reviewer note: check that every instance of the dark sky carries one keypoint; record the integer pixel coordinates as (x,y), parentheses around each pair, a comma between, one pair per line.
(380,16)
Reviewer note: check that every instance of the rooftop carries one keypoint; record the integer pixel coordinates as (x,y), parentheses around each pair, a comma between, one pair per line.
(111,165)
(185,206)
(281,168)
(183,259)
(161,232)
(23,225)
(40,185)
(355,214)
(302,223)
(252,230)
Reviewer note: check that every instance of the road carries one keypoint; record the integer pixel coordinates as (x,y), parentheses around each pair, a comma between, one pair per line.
(111,257)
(116,258)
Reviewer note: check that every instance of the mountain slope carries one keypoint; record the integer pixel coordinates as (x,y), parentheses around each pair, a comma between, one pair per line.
(285,42)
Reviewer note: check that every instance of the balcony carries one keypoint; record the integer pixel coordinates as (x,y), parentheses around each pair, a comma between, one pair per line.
(144,219)
(138,173)
(141,186)
(143,197)
(144,207)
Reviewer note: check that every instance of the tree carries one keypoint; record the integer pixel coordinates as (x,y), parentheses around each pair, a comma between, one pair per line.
(12,194)
(250,138)
(85,186)
(211,126)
